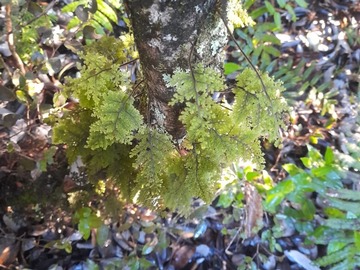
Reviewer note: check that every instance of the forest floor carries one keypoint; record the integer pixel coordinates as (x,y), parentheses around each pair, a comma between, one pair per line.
(37,229)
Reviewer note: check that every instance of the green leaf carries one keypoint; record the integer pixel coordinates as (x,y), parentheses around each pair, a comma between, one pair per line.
(329,156)
(74,22)
(269,7)
(103,20)
(333,212)
(301,3)
(225,199)
(292,169)
(357,239)
(335,246)
(252,175)
(107,11)
(258,12)
(73,5)
(270,38)
(115,3)
(272,50)
(84,228)
(102,234)
(277,20)
(91,265)
(322,171)
(230,67)
(82,213)
(343,224)
(281,3)
(284,187)
(291,12)
(94,221)
(276,195)
(307,162)
(308,208)
(117,120)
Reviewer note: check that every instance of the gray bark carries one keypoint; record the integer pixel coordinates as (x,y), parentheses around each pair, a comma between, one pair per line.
(166,32)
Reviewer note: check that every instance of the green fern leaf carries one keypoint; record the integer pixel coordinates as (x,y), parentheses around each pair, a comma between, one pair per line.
(255,109)
(117,120)
(151,153)
(345,194)
(72,130)
(342,224)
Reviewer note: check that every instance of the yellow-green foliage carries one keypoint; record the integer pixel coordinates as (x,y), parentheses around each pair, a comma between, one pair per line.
(257,110)
(108,132)
(151,153)
(106,119)
(234,131)
(237,15)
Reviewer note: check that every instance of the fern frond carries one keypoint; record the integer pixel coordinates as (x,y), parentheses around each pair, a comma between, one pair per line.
(150,155)
(117,119)
(345,194)
(341,256)
(342,224)
(343,205)
(72,130)
(349,263)
(253,110)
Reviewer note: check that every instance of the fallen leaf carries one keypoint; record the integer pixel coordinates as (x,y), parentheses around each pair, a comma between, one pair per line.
(254,211)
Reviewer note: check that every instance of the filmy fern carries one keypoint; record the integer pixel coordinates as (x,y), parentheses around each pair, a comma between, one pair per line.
(143,160)
(151,153)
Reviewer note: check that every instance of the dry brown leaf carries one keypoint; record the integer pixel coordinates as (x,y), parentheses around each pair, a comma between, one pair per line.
(182,256)
(9,253)
(254,211)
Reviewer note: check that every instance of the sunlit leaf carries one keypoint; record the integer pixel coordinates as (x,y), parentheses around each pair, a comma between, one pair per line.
(231,67)
(225,199)
(329,156)
(107,10)
(357,239)
(292,169)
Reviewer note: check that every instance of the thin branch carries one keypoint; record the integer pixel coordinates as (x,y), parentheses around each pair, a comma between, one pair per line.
(246,57)
(10,39)
(6,66)
(49,6)
(193,74)
(110,67)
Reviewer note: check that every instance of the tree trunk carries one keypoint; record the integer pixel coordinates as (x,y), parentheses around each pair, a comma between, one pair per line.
(167,34)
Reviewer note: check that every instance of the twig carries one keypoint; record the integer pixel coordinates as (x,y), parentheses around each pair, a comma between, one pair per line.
(6,66)
(246,57)
(49,6)
(10,39)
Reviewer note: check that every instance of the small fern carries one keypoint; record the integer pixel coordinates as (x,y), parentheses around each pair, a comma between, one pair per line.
(143,160)
(117,118)
(150,155)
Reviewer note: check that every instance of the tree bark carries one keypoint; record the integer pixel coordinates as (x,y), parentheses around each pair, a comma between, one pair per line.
(172,34)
